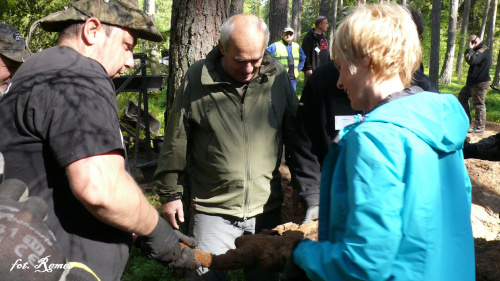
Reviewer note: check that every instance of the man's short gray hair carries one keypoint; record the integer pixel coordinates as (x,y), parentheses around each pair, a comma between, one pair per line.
(229,25)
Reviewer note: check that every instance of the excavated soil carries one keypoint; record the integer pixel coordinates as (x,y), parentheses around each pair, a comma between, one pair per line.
(485,178)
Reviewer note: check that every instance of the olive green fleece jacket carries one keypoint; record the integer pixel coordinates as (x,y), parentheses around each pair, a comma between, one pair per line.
(228,148)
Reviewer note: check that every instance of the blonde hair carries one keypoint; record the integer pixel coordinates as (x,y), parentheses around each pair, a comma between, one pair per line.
(386,34)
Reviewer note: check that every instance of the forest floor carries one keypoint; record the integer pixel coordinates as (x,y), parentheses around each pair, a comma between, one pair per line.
(485,178)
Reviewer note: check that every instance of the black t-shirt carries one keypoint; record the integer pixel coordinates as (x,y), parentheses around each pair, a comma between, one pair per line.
(324,55)
(61,107)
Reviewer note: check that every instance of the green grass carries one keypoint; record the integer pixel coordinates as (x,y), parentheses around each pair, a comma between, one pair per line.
(492,97)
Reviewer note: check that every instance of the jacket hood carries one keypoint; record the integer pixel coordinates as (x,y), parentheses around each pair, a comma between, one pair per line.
(438,119)
(315,35)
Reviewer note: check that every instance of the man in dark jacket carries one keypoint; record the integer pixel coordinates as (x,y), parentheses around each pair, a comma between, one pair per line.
(478,56)
(315,46)
(323,111)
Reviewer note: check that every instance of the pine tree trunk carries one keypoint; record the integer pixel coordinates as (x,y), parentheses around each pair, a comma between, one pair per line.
(496,79)
(296,17)
(333,23)
(463,33)
(278,14)
(193,34)
(491,24)
(324,8)
(435,39)
(447,69)
(236,7)
(485,19)
(341,10)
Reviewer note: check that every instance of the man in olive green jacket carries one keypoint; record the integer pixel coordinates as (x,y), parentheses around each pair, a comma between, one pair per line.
(231,116)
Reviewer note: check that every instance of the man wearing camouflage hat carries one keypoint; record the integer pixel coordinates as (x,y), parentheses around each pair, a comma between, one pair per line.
(61,136)
(12,54)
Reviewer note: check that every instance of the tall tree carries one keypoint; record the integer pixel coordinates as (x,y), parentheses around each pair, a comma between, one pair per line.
(278,14)
(496,79)
(236,7)
(435,39)
(485,19)
(491,24)
(324,8)
(341,10)
(333,23)
(193,33)
(296,17)
(463,33)
(149,7)
(447,69)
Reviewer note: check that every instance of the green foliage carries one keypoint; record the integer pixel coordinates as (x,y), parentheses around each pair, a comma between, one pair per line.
(22,13)
(139,268)
(492,100)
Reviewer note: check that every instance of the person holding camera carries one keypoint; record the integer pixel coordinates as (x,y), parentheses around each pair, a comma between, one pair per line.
(478,56)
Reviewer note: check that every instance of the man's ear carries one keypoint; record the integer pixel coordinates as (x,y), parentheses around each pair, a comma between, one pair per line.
(221,48)
(90,29)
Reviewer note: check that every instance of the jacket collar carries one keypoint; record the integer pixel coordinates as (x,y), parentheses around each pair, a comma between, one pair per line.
(210,76)
(479,46)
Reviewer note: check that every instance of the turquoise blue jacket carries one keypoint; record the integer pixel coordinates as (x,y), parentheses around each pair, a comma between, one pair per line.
(395,197)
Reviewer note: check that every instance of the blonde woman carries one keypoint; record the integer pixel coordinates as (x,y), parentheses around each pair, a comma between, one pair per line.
(395,194)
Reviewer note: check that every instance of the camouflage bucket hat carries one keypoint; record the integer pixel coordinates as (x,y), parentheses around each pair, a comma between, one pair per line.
(124,13)
(12,43)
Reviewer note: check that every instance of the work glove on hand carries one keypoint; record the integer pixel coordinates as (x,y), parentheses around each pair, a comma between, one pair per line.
(186,258)
(26,243)
(162,244)
(268,252)
(312,214)
(292,272)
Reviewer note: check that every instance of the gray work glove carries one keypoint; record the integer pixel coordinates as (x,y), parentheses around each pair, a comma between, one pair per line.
(312,214)
(162,244)
(26,243)
(186,258)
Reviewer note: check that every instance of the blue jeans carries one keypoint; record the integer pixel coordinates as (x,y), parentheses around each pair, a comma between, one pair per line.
(294,84)
(216,235)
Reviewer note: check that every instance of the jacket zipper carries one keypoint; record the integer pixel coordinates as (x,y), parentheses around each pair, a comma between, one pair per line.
(247,159)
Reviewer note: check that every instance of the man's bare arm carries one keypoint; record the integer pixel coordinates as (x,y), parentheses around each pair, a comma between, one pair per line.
(103,186)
